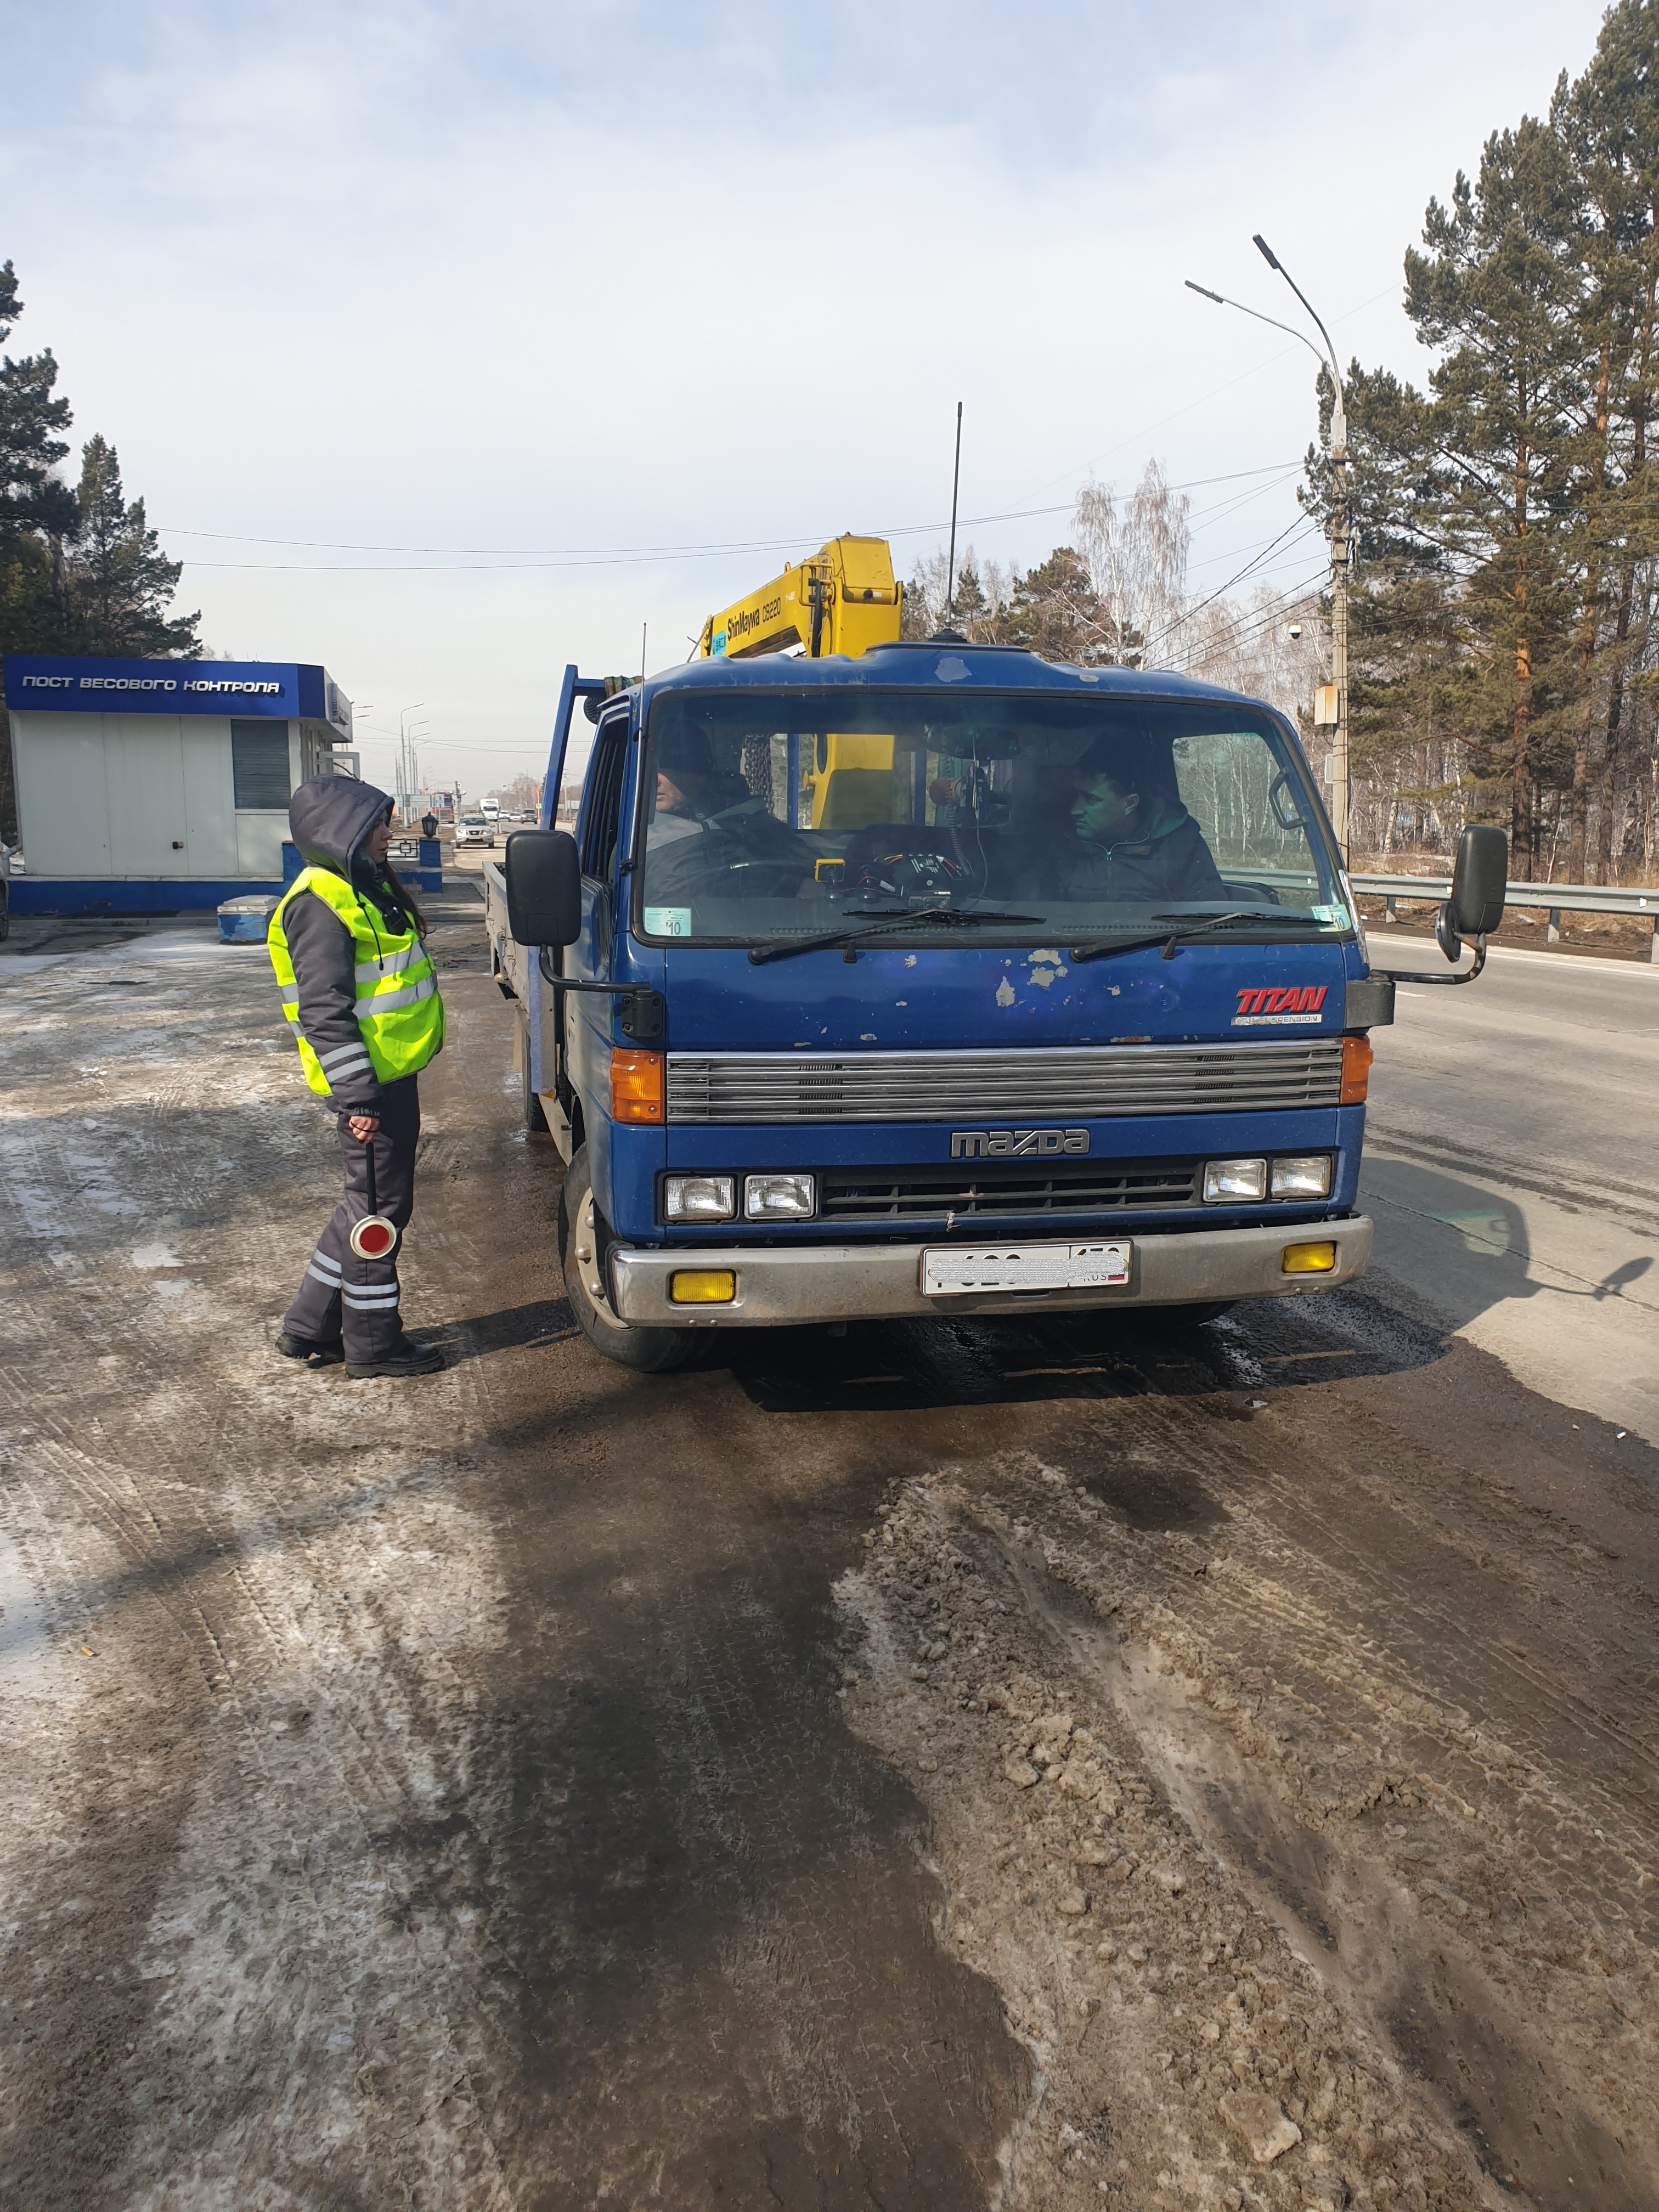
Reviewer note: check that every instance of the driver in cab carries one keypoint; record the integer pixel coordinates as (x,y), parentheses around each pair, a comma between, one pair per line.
(707,829)
(1132,839)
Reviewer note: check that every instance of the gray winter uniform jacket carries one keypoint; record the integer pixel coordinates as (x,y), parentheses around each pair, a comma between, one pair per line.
(330,818)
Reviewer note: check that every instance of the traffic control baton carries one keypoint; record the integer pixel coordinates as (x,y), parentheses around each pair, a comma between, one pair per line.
(374,1238)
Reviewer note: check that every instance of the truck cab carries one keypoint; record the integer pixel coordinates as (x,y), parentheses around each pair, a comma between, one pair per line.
(940,981)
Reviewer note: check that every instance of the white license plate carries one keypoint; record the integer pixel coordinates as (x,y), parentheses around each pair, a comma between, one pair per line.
(959,1271)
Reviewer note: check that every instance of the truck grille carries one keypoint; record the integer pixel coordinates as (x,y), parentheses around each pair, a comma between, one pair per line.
(1101,1186)
(1033,1084)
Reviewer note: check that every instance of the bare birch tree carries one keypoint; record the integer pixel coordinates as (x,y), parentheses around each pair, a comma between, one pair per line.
(1136,549)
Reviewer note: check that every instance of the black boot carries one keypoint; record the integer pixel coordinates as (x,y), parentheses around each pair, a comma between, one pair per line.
(405,1358)
(313,1354)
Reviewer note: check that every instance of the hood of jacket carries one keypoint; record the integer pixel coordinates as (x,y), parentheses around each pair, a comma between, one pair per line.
(329,816)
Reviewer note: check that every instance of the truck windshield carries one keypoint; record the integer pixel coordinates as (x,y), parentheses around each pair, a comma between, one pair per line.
(1090,817)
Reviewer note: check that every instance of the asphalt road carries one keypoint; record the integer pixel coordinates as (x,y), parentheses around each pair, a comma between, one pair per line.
(1021,1765)
(1512,1166)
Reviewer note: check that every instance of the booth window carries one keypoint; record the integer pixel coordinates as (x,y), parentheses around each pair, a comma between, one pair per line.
(259,764)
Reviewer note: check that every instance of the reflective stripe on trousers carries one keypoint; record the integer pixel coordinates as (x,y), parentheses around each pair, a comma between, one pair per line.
(342,1298)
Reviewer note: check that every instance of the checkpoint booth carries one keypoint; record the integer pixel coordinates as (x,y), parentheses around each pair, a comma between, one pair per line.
(162,787)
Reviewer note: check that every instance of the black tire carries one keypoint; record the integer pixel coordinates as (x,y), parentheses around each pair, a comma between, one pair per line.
(5,913)
(535,1117)
(647,1351)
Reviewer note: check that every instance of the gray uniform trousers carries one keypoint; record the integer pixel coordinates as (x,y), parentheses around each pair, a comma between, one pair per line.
(342,1298)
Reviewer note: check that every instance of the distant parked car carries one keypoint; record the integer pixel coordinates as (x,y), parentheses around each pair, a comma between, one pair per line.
(474,829)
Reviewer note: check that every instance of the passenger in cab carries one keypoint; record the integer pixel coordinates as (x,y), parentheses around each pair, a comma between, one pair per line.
(1134,842)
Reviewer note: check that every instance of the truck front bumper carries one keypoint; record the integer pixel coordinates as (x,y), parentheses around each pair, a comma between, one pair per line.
(876,1282)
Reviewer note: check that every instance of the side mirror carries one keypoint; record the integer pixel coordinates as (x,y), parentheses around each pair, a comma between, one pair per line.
(1480,879)
(544,887)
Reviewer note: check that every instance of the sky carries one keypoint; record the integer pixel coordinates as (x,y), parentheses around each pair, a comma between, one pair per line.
(448,344)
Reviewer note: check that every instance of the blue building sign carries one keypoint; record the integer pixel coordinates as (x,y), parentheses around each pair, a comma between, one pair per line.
(56,683)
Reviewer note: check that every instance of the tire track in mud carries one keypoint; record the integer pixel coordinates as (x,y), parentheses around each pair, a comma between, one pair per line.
(734,1994)
(235,1798)
(1469,1899)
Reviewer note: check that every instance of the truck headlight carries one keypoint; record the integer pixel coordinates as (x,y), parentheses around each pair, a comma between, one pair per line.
(699,1198)
(779,1197)
(1243,1181)
(1309,1176)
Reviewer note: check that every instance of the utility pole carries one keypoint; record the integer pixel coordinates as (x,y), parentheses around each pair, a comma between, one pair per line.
(1331,701)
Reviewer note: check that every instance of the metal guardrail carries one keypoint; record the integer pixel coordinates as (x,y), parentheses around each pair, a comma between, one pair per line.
(1553,899)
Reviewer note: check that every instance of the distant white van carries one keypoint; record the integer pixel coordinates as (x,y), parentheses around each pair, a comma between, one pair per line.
(489,809)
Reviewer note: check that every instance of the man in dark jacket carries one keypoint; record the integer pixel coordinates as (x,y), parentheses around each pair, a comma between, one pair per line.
(349,934)
(1136,841)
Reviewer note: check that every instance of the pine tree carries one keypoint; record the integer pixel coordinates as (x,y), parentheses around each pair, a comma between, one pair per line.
(30,420)
(35,505)
(1609,124)
(1474,488)
(120,581)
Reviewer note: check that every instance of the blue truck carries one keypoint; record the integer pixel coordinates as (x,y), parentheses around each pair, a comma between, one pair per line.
(943,979)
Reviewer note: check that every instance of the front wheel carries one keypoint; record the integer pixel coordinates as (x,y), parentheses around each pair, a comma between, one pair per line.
(647,1351)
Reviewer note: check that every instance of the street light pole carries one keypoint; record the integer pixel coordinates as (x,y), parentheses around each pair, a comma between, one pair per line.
(1330,714)
(404,777)
(1340,554)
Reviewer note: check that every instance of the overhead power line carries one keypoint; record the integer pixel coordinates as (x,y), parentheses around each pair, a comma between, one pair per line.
(508,556)
(1237,577)
(1249,621)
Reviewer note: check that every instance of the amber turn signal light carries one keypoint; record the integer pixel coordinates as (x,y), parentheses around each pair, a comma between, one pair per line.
(702,1286)
(636,1086)
(1309,1258)
(1355,1070)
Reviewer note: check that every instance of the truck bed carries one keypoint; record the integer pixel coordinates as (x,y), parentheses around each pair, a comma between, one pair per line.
(509,963)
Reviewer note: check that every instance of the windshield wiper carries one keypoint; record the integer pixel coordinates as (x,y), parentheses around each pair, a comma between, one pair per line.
(877,919)
(1197,926)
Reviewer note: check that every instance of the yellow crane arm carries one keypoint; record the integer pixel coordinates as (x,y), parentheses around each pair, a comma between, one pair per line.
(844,599)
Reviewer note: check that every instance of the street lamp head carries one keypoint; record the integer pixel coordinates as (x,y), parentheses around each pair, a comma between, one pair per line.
(1266,251)
(1205,291)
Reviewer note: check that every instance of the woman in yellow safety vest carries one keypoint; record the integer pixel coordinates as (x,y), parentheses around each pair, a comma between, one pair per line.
(361,997)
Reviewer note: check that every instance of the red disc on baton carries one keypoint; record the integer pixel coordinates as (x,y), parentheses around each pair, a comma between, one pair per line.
(373,1236)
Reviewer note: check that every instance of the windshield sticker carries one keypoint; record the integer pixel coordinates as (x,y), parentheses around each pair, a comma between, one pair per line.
(668,922)
(1291,1005)
(1336,915)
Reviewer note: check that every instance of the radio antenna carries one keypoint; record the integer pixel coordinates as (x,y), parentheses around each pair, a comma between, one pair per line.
(950,569)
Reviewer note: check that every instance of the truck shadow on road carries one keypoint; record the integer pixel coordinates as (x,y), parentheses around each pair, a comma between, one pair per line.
(1403,1322)
(533,1327)
(894,1366)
